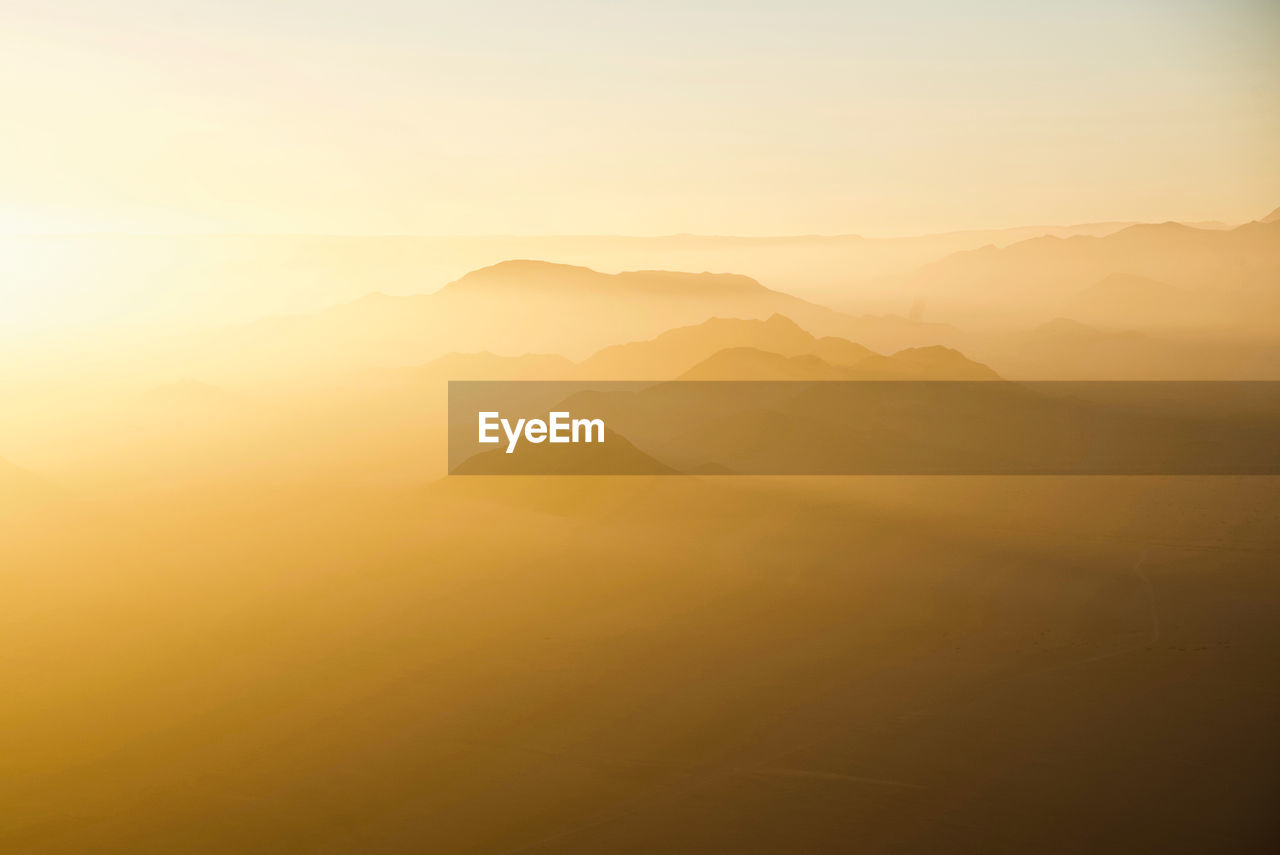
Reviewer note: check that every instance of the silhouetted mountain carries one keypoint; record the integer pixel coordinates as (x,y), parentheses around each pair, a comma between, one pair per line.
(839,351)
(923,363)
(894,332)
(222,279)
(749,363)
(524,275)
(919,363)
(529,306)
(679,351)
(676,350)
(1127,301)
(1273,217)
(1234,269)
(1121,294)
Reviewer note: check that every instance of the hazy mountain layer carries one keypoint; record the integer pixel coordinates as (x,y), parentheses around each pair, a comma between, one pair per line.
(1229,276)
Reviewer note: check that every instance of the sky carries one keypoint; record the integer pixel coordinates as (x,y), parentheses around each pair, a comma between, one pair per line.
(656,117)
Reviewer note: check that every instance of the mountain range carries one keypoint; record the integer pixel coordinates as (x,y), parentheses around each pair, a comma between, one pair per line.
(222,279)
(531,306)
(721,349)
(1233,273)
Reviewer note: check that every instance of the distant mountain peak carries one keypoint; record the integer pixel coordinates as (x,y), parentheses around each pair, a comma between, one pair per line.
(931,362)
(777,319)
(532,265)
(527,275)
(1273,217)
(753,363)
(674,350)
(1168,227)
(914,363)
(524,273)
(667,281)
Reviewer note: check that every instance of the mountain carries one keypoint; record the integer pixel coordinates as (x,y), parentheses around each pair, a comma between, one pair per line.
(839,351)
(923,363)
(917,363)
(1273,217)
(749,363)
(518,278)
(533,307)
(674,351)
(1123,299)
(514,307)
(226,279)
(1235,270)
(1066,349)
(776,348)
(894,332)
(570,310)
(576,303)
(680,351)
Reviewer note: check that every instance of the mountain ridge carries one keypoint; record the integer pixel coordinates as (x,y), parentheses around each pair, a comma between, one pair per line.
(544,307)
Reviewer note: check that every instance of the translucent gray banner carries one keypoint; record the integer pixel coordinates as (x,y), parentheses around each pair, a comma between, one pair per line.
(864,428)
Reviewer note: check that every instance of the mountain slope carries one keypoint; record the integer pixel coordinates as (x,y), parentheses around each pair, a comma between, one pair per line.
(676,350)
(839,351)
(1123,299)
(923,363)
(1236,269)
(523,306)
(1065,349)
(777,348)
(917,363)
(749,363)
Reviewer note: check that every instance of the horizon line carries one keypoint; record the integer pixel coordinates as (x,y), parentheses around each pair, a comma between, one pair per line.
(1206,225)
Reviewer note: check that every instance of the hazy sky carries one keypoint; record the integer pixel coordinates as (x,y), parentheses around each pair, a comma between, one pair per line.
(516,116)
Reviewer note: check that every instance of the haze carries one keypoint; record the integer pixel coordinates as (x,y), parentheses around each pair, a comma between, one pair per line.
(663,117)
(245,249)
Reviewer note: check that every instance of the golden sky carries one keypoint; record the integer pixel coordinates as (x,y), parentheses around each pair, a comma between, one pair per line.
(639,118)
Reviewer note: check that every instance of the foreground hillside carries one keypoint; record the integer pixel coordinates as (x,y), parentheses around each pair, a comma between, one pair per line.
(637,665)
(256,621)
